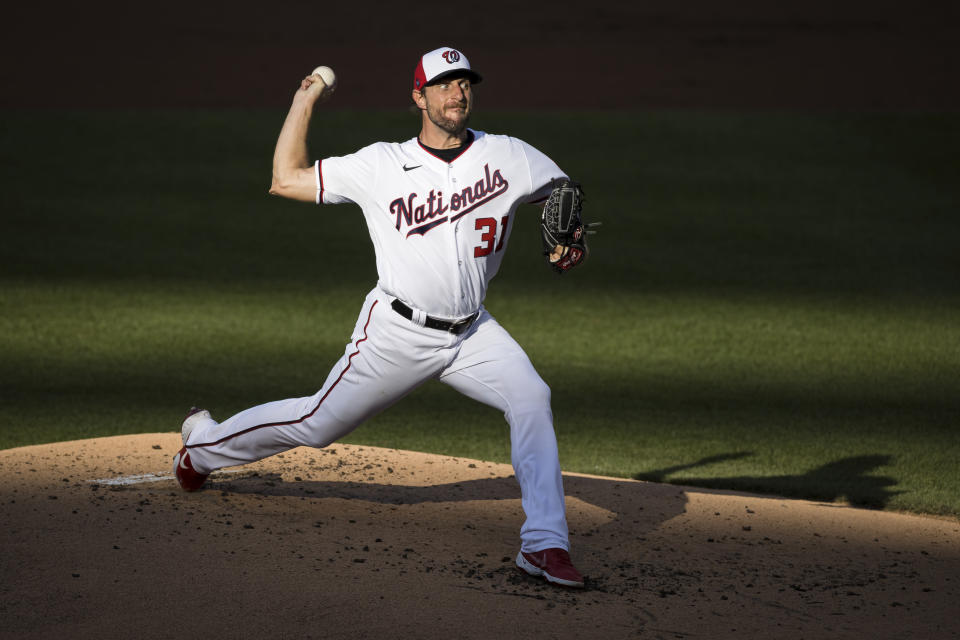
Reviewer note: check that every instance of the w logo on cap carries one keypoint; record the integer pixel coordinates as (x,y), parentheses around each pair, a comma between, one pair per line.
(440,63)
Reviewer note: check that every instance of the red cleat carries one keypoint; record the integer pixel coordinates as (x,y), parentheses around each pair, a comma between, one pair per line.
(553,564)
(188,478)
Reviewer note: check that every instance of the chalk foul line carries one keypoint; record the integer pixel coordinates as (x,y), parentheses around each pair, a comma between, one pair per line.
(144,478)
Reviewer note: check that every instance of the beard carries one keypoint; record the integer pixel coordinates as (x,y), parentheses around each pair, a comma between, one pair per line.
(450,125)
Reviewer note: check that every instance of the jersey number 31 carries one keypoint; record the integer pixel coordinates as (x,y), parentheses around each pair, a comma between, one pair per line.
(489,235)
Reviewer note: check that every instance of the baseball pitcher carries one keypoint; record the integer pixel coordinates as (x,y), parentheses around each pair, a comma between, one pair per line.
(439,208)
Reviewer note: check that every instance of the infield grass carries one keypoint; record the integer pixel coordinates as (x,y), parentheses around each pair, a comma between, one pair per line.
(773,302)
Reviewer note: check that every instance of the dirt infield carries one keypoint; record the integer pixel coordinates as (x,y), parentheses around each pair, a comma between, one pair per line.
(98,541)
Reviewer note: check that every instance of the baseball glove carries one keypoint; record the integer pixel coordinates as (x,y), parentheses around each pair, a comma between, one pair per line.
(561,227)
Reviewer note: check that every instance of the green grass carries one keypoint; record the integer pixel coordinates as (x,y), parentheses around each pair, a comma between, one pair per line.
(773,303)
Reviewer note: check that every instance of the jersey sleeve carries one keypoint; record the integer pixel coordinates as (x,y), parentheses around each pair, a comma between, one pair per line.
(346,178)
(542,170)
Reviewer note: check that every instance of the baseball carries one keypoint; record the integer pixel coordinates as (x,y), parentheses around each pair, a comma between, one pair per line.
(327,75)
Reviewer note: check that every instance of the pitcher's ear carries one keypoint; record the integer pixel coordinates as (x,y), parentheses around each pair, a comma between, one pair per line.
(418,99)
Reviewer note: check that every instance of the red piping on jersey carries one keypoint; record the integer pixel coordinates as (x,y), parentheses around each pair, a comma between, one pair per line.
(320,170)
(301,419)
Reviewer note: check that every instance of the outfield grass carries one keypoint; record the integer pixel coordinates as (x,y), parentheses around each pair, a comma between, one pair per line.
(773,303)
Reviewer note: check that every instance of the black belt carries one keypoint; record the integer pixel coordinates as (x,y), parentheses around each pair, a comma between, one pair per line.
(455,328)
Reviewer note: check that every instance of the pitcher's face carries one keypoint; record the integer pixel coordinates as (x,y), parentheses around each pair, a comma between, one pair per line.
(449,103)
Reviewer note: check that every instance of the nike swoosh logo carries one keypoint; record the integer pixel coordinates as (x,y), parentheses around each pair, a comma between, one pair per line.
(183,459)
(406,168)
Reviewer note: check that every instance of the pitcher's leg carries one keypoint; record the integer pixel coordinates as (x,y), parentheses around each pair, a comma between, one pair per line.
(496,371)
(378,368)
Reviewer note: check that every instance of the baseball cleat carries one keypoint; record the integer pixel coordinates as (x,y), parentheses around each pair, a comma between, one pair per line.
(194,416)
(187,476)
(553,564)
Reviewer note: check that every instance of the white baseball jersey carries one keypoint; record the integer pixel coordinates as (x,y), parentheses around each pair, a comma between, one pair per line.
(439,229)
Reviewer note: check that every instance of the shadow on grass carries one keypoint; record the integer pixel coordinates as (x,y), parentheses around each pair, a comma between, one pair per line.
(849,478)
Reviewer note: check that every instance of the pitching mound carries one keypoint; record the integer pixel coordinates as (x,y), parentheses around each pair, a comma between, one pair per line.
(98,541)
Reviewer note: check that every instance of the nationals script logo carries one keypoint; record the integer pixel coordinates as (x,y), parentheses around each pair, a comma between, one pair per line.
(451,56)
(434,211)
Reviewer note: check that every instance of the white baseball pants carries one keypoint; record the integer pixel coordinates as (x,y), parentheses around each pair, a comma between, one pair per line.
(387,358)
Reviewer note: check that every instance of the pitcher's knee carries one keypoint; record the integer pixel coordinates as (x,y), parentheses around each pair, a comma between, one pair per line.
(534,397)
(319,434)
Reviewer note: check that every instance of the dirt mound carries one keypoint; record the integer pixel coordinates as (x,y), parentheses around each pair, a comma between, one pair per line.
(361,542)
